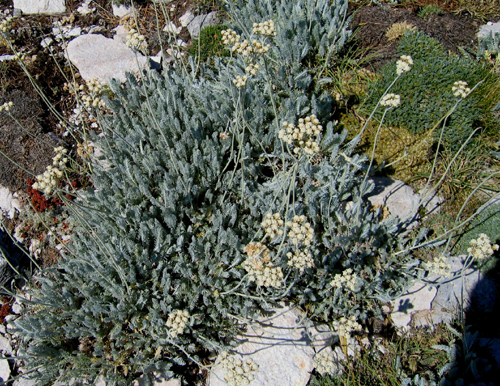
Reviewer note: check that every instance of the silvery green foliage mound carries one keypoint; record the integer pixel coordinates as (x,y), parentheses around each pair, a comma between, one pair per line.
(211,211)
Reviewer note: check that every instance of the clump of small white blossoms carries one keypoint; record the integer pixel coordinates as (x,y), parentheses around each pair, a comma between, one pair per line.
(324,363)
(347,279)
(273,225)
(243,48)
(6,24)
(6,106)
(93,95)
(177,322)
(84,149)
(238,372)
(390,100)
(265,28)
(49,180)
(304,137)
(260,268)
(481,248)
(230,37)
(460,89)
(260,48)
(439,266)
(300,231)
(252,69)
(136,41)
(240,81)
(404,64)
(345,326)
(300,260)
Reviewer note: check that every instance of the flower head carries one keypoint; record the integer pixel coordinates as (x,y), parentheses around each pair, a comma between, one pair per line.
(460,89)
(481,248)
(404,64)
(390,100)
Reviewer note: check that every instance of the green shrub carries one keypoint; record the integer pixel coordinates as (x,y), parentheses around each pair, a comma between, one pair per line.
(174,226)
(209,43)
(428,10)
(426,90)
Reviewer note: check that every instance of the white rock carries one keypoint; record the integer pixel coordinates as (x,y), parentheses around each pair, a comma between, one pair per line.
(279,347)
(46,42)
(8,203)
(485,30)
(4,370)
(452,296)
(5,346)
(418,298)
(199,22)
(172,28)
(40,6)
(121,33)
(96,56)
(17,308)
(186,19)
(122,10)
(7,57)
(84,9)
(96,29)
(74,32)
(2,329)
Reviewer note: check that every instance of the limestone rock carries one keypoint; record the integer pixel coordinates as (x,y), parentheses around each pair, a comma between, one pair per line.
(485,30)
(5,346)
(122,10)
(24,382)
(199,22)
(85,8)
(4,370)
(418,298)
(477,294)
(8,203)
(157,381)
(96,56)
(186,19)
(280,348)
(40,6)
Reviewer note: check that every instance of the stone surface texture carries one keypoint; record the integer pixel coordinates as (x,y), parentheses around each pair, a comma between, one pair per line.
(4,370)
(195,25)
(96,56)
(485,30)
(400,198)
(40,6)
(8,203)
(426,304)
(280,348)
(122,10)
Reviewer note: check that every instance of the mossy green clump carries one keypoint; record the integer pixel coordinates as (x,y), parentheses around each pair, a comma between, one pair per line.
(426,91)
(209,44)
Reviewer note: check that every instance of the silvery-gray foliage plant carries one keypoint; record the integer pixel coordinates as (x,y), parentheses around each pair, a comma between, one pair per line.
(222,190)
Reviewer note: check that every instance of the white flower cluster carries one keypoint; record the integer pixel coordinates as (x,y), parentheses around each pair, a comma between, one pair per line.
(238,372)
(390,100)
(6,24)
(6,106)
(300,260)
(260,268)
(136,41)
(301,231)
(404,64)
(482,248)
(439,266)
(273,225)
(230,37)
(304,137)
(177,322)
(245,48)
(347,279)
(324,363)
(49,180)
(266,28)
(460,89)
(252,69)
(240,81)
(93,95)
(346,326)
